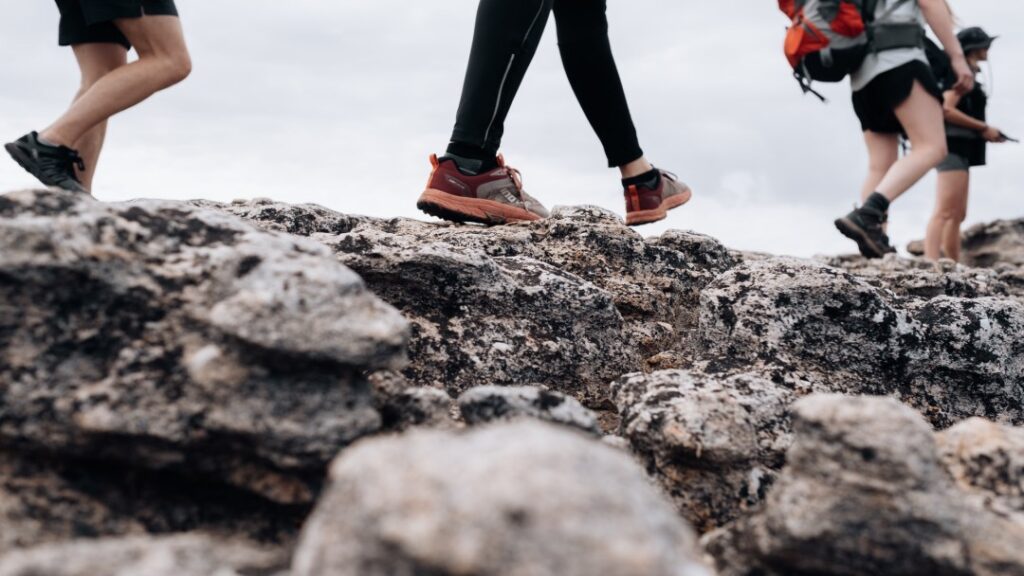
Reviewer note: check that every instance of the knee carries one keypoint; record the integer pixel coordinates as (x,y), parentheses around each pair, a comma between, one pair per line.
(94,76)
(178,67)
(936,152)
(580,21)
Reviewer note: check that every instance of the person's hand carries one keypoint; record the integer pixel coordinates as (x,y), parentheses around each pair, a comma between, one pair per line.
(994,135)
(964,75)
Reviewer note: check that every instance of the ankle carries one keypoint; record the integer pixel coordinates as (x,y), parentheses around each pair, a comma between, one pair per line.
(51,137)
(635,168)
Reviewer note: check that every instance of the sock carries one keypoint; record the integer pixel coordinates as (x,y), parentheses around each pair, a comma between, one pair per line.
(649,180)
(877,202)
(472,159)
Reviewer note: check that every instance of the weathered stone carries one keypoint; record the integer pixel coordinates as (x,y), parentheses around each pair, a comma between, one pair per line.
(918,279)
(987,459)
(46,500)
(190,555)
(508,499)
(713,442)
(996,243)
(174,337)
(953,358)
(494,403)
(865,492)
(403,406)
(571,302)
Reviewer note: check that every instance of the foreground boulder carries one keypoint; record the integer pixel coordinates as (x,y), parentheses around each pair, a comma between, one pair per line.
(509,499)
(173,337)
(987,459)
(864,491)
(190,555)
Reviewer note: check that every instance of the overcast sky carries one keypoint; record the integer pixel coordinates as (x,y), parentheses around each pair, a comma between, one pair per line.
(340,103)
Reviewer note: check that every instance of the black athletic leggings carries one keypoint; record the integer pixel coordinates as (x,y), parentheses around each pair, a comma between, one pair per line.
(505,41)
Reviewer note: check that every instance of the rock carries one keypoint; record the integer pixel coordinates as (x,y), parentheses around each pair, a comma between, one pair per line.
(509,499)
(953,358)
(486,404)
(571,302)
(865,492)
(46,500)
(174,337)
(403,406)
(912,280)
(987,459)
(712,442)
(189,555)
(996,243)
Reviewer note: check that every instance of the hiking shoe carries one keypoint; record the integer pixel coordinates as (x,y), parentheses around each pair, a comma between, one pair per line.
(865,226)
(495,197)
(52,165)
(646,205)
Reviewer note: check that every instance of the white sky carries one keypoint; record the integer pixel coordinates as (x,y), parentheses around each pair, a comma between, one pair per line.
(340,102)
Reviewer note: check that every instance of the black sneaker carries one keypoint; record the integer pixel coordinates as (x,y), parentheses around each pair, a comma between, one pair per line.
(865,227)
(52,165)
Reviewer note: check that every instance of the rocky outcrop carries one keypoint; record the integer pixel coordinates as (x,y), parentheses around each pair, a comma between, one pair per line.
(173,368)
(173,337)
(496,403)
(571,302)
(191,555)
(519,498)
(953,358)
(864,491)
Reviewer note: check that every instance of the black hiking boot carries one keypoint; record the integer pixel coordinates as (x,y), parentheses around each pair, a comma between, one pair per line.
(865,227)
(52,165)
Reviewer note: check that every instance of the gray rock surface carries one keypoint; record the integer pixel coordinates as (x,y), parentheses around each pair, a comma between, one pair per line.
(987,459)
(524,498)
(864,491)
(188,555)
(174,337)
(403,406)
(552,302)
(953,358)
(713,442)
(496,403)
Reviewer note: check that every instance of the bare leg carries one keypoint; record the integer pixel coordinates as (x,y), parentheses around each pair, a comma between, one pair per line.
(921,117)
(95,61)
(163,61)
(635,168)
(950,211)
(883,152)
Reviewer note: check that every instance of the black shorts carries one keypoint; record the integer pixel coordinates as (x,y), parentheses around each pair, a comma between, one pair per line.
(92,21)
(876,103)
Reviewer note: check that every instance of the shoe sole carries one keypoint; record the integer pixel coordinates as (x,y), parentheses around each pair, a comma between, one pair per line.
(459,209)
(658,214)
(865,244)
(25,162)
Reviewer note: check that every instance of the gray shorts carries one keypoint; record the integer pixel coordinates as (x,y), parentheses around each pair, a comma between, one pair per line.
(955,163)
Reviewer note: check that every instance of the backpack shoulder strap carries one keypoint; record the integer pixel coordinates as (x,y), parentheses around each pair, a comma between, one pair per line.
(889,11)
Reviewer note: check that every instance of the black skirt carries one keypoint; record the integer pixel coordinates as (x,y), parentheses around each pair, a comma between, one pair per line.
(92,21)
(876,103)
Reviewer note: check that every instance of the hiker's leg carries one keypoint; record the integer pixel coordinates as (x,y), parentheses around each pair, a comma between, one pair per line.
(163,61)
(922,118)
(883,152)
(949,201)
(953,238)
(504,43)
(95,61)
(590,66)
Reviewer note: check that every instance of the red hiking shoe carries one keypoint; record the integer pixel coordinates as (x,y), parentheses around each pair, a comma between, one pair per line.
(645,205)
(495,197)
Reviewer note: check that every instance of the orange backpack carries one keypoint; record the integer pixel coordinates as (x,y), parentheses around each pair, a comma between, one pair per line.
(828,39)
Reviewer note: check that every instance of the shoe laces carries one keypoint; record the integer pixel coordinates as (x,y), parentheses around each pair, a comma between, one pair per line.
(514,174)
